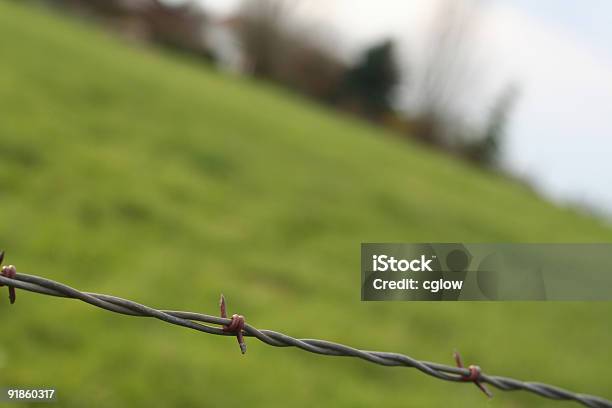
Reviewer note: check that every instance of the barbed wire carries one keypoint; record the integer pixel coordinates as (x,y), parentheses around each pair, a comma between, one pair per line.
(236,326)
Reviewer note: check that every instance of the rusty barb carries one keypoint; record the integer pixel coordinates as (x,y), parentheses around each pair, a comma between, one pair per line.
(8,271)
(473,376)
(236,326)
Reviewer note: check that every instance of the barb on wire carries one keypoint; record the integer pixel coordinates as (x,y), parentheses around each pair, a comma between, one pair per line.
(474,375)
(8,271)
(237,327)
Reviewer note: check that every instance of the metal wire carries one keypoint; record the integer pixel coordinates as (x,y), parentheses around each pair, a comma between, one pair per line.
(196,321)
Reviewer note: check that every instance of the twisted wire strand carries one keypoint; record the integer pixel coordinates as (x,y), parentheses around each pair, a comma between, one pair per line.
(196,321)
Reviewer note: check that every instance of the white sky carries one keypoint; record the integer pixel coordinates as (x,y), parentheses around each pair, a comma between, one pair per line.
(558,51)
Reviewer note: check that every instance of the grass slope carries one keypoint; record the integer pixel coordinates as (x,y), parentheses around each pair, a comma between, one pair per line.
(130,172)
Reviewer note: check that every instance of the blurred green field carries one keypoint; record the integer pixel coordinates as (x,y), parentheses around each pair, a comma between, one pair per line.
(128,171)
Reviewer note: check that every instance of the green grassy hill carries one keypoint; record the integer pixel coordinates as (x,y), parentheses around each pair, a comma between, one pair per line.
(131,172)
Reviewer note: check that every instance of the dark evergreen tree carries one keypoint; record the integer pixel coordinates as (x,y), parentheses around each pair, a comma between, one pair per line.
(371,82)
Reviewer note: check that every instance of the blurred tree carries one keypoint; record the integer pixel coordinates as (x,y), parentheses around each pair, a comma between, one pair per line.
(178,26)
(175,24)
(446,73)
(262,33)
(447,76)
(486,150)
(369,85)
(96,7)
(312,69)
(277,48)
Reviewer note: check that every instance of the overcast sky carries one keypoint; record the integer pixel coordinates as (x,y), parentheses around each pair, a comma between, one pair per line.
(558,51)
